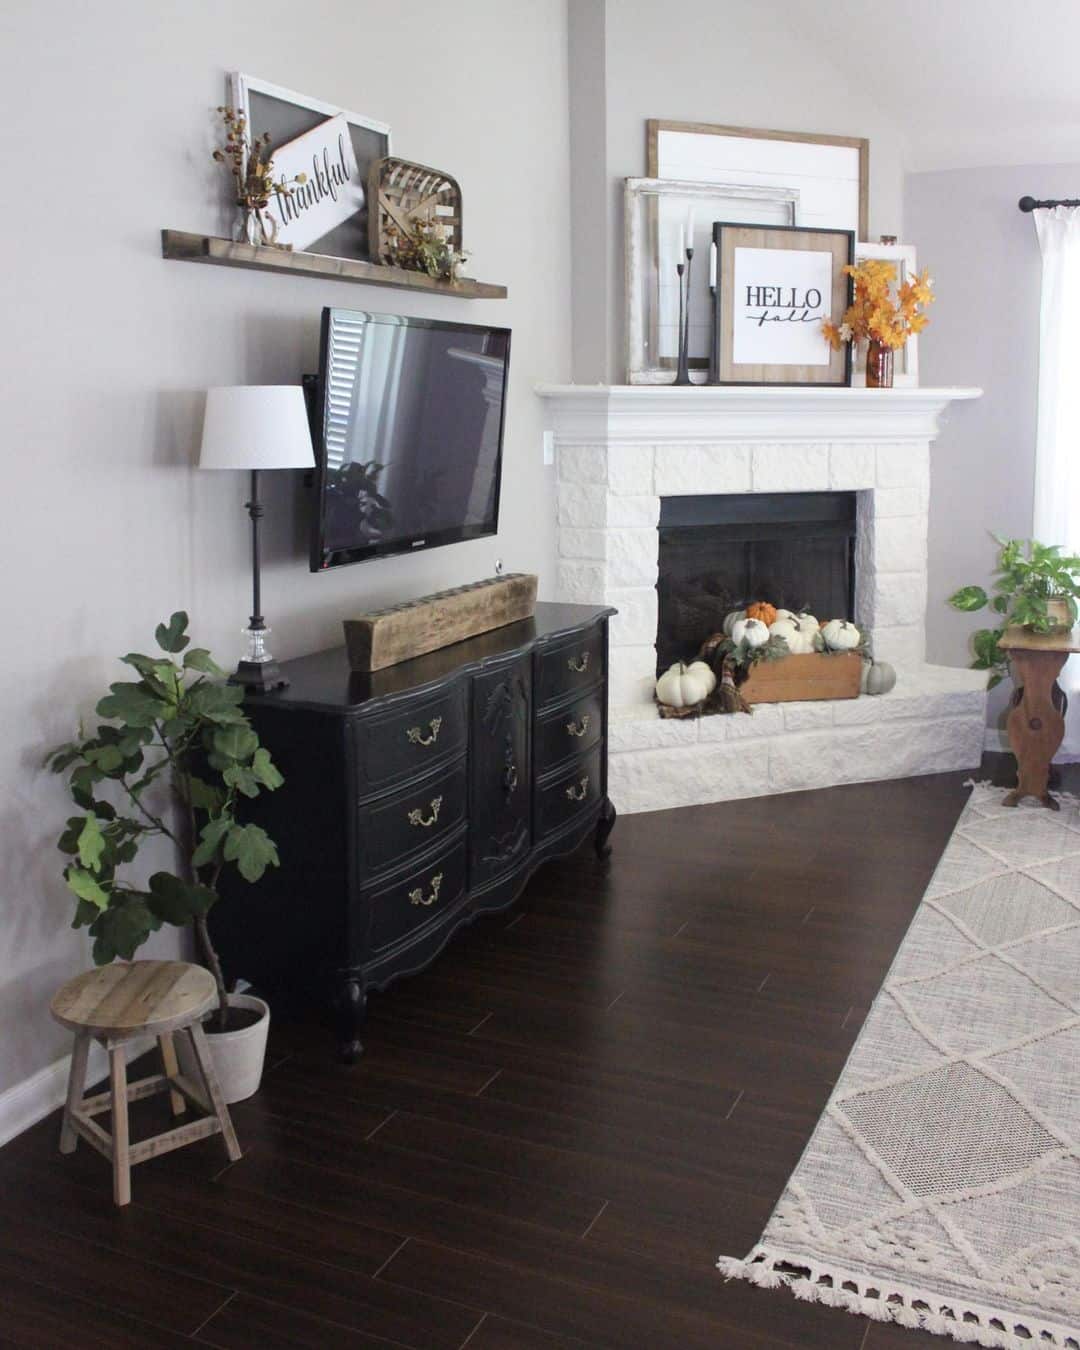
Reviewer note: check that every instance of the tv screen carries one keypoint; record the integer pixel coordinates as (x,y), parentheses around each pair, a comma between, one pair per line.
(408,425)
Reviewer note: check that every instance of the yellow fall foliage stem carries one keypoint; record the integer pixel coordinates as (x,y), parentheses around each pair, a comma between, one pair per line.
(879,313)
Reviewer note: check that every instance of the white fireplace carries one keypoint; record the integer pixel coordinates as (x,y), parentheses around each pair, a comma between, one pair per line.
(621,449)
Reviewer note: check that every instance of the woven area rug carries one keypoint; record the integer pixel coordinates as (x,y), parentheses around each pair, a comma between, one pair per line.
(941,1187)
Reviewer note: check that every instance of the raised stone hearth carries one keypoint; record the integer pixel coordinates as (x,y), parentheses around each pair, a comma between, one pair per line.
(620,449)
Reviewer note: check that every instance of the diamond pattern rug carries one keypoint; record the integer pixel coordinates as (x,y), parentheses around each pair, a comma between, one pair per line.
(941,1187)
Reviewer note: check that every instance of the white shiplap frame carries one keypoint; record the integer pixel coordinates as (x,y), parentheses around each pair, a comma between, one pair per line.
(830,172)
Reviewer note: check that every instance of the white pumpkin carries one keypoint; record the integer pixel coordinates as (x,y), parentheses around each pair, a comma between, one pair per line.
(683,686)
(705,672)
(731,620)
(800,642)
(808,623)
(751,631)
(786,629)
(786,614)
(841,636)
(803,642)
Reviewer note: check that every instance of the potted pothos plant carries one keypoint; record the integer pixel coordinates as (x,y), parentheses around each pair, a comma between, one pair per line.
(173,757)
(1037,588)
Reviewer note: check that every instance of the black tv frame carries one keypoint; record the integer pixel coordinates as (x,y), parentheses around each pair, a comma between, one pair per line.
(317,409)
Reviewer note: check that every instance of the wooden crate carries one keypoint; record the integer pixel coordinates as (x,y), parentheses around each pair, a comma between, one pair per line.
(792,679)
(386,636)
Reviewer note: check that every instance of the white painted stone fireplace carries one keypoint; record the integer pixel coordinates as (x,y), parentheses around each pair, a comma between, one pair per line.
(621,449)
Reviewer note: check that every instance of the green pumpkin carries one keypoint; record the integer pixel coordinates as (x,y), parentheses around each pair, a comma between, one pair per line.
(878,677)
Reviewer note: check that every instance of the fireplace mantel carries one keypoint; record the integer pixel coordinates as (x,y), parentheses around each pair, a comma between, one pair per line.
(593,414)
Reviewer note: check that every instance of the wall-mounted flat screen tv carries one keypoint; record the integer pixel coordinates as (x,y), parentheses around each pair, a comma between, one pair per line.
(408,427)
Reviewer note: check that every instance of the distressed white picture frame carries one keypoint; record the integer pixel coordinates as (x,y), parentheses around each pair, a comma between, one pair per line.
(653,210)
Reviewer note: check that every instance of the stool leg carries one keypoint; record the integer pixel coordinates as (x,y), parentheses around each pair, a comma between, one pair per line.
(121,1162)
(213,1090)
(76,1087)
(172,1068)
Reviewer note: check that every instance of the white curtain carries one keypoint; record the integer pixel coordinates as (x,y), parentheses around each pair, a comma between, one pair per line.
(1057,446)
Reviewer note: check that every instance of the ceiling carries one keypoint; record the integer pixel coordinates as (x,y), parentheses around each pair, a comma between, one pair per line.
(966,82)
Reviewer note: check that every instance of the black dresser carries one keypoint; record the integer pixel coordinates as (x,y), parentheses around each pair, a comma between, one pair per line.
(415,799)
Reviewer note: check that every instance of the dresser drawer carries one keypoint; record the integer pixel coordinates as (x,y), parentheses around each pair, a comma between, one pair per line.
(407,740)
(576,663)
(568,794)
(417,898)
(408,822)
(570,731)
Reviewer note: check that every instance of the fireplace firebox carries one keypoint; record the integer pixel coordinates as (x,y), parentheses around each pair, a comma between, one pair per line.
(717,553)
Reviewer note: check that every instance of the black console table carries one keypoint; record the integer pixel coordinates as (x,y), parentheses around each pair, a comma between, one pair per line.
(417,798)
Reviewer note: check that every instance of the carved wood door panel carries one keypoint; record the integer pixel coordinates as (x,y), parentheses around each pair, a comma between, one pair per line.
(500,775)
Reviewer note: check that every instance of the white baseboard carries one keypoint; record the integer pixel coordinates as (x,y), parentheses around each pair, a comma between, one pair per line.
(31,1100)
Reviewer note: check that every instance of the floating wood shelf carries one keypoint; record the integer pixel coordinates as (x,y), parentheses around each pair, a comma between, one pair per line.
(200,248)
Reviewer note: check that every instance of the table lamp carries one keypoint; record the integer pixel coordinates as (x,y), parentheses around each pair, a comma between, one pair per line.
(253,427)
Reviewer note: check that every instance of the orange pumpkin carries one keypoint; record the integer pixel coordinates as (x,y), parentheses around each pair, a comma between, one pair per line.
(763,611)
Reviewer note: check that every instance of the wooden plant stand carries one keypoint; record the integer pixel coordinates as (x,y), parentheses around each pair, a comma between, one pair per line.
(113,1005)
(1036,722)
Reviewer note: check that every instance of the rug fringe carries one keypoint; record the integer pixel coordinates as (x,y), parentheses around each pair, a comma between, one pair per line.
(985,785)
(885,1302)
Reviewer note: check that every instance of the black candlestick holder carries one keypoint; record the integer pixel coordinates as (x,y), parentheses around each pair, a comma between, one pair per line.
(682,373)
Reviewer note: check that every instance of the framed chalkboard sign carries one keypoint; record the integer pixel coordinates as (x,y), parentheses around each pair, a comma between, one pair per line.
(332,148)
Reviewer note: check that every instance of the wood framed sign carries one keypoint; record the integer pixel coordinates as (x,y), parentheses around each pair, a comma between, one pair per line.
(774,285)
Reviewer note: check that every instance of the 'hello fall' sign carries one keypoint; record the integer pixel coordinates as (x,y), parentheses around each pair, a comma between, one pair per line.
(779,297)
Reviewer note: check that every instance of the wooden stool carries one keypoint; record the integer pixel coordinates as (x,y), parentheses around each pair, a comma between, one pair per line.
(113,1005)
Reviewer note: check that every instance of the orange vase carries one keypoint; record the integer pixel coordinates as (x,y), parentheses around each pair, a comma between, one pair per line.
(879,365)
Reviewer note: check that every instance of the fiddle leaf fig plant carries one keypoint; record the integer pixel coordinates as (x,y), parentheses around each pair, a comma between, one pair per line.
(174,733)
(1029,576)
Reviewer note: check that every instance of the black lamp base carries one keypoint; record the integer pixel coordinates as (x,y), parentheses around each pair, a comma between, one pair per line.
(259,676)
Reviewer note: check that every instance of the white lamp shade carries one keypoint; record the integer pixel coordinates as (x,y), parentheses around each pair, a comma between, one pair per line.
(256,426)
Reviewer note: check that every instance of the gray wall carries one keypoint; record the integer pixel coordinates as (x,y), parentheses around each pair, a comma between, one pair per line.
(750,63)
(591,301)
(106,349)
(984,330)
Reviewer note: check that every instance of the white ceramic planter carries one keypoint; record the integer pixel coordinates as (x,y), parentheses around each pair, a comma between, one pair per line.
(238,1055)
(1059,614)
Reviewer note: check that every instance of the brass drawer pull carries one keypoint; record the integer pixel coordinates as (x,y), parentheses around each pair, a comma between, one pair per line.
(416,816)
(417,737)
(579,793)
(416,897)
(580,728)
(579,664)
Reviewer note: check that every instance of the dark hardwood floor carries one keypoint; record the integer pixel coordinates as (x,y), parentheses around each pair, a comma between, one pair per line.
(552,1134)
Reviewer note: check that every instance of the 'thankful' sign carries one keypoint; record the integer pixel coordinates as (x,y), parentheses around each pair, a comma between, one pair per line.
(332,192)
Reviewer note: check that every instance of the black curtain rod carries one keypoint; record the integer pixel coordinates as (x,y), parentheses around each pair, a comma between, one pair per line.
(1030,204)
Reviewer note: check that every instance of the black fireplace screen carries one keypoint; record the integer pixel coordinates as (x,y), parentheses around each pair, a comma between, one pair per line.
(717,553)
